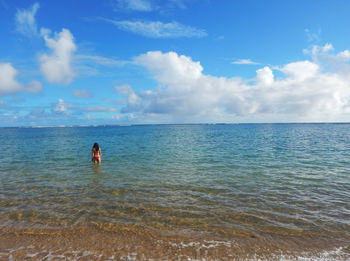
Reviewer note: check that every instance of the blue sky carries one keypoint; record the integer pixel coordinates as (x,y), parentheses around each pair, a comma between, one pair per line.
(173,61)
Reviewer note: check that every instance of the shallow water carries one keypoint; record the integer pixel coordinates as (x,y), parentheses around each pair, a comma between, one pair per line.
(281,183)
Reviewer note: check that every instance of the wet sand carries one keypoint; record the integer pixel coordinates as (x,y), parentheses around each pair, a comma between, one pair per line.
(129,242)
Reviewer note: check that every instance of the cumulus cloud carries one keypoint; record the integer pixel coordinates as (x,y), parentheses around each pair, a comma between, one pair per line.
(25,21)
(61,108)
(157,29)
(319,51)
(328,60)
(9,84)
(304,92)
(57,67)
(300,70)
(170,68)
(345,55)
(184,90)
(133,100)
(264,76)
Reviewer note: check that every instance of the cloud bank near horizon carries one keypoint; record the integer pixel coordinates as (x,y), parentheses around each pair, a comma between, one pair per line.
(309,90)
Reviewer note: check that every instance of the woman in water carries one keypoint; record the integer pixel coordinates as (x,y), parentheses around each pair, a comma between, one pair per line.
(96,153)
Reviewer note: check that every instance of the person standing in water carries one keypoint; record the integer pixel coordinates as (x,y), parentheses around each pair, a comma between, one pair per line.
(96,153)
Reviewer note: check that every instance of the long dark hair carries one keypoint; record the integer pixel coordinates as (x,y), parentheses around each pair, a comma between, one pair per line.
(96,147)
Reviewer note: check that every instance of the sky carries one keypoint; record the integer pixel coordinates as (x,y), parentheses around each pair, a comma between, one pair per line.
(92,62)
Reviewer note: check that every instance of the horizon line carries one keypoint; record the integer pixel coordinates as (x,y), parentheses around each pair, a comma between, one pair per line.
(153,124)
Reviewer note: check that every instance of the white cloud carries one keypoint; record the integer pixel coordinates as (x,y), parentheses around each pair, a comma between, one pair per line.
(245,61)
(171,69)
(25,21)
(325,57)
(133,100)
(344,55)
(317,50)
(157,29)
(300,70)
(82,94)
(326,48)
(264,76)
(306,92)
(133,5)
(61,107)
(9,84)
(57,67)
(185,90)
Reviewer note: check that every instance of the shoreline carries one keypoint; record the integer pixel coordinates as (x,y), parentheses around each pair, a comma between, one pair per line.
(135,243)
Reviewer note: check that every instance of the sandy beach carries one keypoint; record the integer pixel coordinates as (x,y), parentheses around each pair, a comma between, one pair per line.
(134,243)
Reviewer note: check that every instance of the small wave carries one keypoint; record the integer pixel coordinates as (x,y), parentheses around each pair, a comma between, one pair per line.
(32,253)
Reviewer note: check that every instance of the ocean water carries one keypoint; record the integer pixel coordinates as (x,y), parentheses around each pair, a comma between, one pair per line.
(258,191)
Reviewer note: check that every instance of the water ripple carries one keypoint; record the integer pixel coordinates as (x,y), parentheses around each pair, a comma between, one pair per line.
(275,178)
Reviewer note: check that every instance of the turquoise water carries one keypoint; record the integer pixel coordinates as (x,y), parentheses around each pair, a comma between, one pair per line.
(284,179)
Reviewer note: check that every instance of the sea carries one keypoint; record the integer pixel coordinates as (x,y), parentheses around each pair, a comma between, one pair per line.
(176,192)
